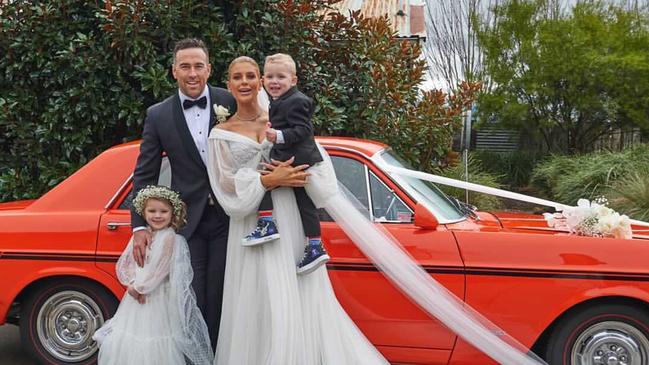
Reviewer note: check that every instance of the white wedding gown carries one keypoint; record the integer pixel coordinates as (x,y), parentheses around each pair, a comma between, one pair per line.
(168,328)
(271,316)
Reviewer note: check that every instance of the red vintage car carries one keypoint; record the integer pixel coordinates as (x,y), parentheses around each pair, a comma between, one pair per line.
(572,299)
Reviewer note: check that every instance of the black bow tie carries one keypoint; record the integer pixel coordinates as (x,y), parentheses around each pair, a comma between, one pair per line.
(200,102)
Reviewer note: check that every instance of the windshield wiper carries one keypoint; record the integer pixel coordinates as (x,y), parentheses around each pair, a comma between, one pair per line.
(465,208)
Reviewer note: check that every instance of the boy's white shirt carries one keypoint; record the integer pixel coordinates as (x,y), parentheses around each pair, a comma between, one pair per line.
(264,102)
(280,137)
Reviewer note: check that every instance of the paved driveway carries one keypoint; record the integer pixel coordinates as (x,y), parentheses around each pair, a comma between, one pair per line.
(10,351)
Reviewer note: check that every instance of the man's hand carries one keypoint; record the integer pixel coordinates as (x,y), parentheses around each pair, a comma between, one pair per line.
(137,296)
(283,174)
(141,240)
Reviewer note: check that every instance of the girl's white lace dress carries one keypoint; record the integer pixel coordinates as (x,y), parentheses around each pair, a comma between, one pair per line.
(168,328)
(272,316)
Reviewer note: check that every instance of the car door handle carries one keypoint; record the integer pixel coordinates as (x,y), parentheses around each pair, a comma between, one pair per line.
(114,225)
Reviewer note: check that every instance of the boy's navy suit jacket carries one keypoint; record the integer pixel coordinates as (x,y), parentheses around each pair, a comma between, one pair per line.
(291,113)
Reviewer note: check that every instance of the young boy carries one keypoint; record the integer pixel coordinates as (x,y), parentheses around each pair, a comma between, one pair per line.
(292,134)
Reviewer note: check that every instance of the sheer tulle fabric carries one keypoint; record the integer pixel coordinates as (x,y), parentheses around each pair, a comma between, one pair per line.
(194,341)
(386,253)
(270,315)
(168,328)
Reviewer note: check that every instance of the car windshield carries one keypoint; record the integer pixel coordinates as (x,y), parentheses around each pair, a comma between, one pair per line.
(423,192)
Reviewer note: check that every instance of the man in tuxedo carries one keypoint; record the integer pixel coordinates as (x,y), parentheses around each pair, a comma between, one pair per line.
(179,126)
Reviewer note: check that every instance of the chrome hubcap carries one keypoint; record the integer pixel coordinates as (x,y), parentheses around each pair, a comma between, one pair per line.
(610,343)
(65,325)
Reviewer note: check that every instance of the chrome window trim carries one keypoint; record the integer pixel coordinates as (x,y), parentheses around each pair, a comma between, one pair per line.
(381,164)
(111,202)
(356,152)
(395,195)
(369,194)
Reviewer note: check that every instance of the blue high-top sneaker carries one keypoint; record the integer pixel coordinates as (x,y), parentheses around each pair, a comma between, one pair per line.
(314,257)
(265,231)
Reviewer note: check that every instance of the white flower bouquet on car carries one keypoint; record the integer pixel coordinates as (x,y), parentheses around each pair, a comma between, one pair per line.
(593,219)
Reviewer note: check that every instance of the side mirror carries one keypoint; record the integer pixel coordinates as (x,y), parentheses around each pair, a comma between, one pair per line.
(424,218)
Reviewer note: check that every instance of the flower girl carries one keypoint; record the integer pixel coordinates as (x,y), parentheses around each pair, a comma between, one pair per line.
(157,321)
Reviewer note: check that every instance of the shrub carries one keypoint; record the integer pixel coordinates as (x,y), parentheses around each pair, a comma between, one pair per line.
(630,195)
(515,168)
(76,79)
(568,178)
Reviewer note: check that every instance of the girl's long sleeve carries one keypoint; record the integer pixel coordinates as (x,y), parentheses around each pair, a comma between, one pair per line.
(158,262)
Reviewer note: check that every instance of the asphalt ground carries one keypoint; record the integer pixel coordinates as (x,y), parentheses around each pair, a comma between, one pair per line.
(11,353)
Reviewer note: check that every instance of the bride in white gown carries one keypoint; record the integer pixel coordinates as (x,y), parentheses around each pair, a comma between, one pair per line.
(271,316)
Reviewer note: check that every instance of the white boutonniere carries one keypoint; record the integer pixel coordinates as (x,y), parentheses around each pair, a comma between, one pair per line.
(222,113)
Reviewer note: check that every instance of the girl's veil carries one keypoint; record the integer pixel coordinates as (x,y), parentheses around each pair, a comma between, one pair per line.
(192,337)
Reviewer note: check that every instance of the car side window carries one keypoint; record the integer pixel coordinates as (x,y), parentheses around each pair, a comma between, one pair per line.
(386,205)
(352,176)
(163,179)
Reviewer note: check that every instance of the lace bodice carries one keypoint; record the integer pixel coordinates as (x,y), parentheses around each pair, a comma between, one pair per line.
(249,153)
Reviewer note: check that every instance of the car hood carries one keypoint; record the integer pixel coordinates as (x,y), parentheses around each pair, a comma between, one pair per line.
(537,223)
(16,205)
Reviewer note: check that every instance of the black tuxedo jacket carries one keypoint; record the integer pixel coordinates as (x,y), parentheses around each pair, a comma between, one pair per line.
(291,113)
(165,130)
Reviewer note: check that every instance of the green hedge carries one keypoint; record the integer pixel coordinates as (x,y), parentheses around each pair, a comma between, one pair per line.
(77,76)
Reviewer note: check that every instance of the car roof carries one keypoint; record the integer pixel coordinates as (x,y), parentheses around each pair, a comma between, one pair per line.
(113,160)
(362,146)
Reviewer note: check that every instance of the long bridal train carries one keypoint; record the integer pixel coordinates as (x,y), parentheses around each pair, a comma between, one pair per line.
(386,253)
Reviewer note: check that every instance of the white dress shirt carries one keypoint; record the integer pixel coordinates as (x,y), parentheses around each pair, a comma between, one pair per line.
(198,122)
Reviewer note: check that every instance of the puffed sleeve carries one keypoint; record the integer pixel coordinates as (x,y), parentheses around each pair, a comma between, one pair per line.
(237,188)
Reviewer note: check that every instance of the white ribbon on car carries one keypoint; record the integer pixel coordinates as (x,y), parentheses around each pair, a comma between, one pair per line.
(481,188)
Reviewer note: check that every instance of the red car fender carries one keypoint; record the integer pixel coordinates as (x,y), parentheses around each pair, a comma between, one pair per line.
(22,283)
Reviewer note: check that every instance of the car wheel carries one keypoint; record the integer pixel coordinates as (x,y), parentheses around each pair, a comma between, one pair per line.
(58,320)
(607,334)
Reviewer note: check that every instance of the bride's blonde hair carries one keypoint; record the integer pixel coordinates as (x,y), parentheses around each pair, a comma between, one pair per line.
(243,59)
